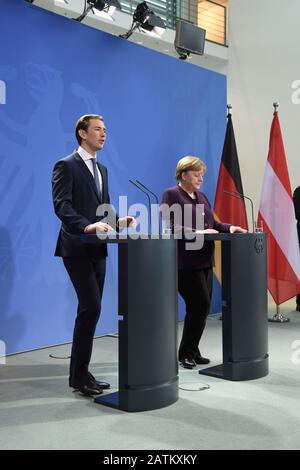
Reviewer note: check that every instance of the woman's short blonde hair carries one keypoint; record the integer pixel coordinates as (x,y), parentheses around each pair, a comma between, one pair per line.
(189,164)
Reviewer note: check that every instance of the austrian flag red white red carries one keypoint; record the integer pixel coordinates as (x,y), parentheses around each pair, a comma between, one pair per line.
(278,217)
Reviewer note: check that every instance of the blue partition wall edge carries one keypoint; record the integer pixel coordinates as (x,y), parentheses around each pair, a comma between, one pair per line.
(156,109)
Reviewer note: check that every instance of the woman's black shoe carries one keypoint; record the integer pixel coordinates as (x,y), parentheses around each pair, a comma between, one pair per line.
(201,360)
(187,363)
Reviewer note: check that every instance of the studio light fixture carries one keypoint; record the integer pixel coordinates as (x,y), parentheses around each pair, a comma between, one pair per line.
(146,21)
(102,8)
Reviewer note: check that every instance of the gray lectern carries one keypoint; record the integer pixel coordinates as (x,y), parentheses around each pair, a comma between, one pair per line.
(244,307)
(148,366)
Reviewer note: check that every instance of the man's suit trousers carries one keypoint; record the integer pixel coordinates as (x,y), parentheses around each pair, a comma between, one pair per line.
(87,274)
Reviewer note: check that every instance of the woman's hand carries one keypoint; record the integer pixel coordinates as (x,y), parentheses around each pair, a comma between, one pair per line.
(234,229)
(207,230)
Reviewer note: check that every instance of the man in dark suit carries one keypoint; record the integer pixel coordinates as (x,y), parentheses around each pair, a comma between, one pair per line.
(79,186)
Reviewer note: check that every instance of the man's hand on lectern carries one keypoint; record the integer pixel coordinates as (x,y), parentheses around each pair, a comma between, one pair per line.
(98,227)
(127,221)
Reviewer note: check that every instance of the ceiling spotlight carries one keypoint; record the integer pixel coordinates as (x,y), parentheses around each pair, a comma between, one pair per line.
(102,8)
(146,21)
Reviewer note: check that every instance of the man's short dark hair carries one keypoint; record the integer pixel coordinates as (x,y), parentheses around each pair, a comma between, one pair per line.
(83,123)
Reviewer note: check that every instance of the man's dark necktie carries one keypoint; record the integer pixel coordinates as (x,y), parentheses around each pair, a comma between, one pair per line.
(96,177)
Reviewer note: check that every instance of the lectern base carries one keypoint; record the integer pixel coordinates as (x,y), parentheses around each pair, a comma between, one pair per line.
(142,399)
(111,400)
(247,370)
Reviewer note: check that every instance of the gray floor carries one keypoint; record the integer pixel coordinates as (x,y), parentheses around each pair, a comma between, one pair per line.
(39,411)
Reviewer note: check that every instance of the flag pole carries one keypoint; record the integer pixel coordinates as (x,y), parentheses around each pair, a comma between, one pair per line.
(278,317)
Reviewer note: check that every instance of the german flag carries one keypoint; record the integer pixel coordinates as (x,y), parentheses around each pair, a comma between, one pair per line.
(229,204)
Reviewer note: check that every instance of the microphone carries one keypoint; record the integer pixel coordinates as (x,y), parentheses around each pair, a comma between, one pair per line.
(156,199)
(241,196)
(149,203)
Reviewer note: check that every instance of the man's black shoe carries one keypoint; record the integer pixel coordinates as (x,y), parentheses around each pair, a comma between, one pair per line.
(187,363)
(298,308)
(88,389)
(101,385)
(201,360)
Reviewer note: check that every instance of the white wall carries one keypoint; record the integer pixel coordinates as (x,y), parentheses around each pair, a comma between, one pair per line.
(264,60)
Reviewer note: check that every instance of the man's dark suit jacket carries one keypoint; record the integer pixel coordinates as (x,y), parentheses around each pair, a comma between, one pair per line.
(75,202)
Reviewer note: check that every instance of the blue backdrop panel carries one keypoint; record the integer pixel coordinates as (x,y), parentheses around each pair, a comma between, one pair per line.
(156,108)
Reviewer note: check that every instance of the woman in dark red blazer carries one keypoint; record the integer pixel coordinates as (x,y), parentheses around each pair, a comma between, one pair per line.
(194,267)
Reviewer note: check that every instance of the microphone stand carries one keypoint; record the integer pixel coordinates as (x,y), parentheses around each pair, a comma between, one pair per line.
(149,203)
(156,198)
(241,196)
